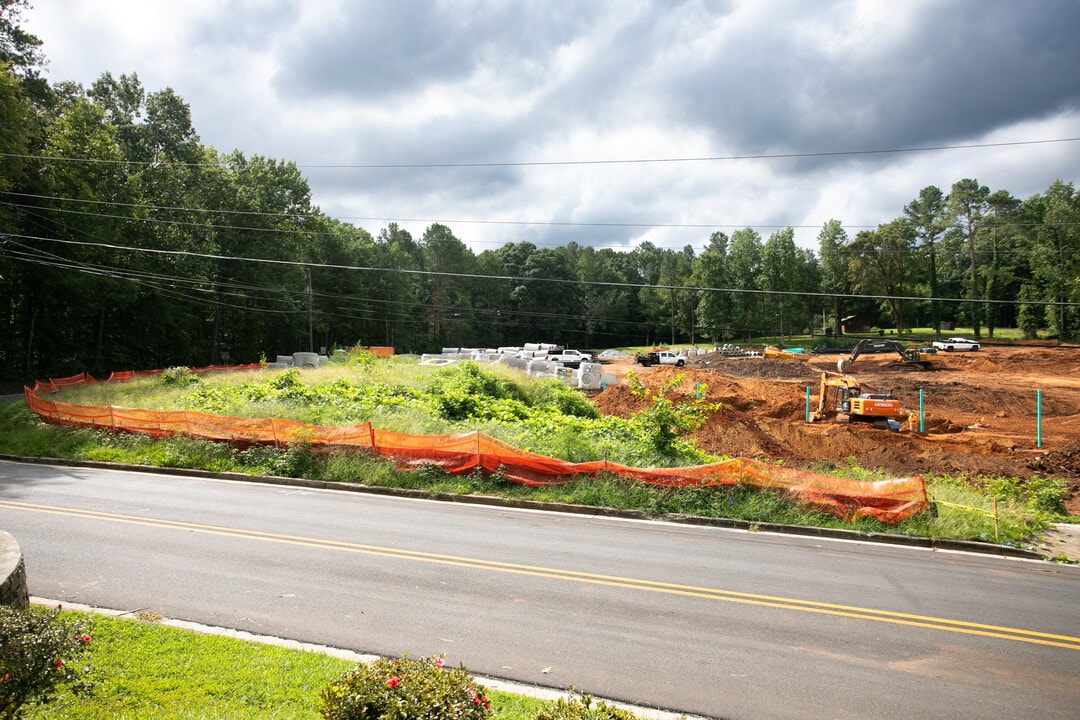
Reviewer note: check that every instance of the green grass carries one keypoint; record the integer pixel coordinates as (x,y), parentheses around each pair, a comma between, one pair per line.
(145,670)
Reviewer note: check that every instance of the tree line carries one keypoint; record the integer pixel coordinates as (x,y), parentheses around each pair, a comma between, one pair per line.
(126,243)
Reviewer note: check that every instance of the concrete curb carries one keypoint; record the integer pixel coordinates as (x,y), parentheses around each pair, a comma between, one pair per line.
(806,531)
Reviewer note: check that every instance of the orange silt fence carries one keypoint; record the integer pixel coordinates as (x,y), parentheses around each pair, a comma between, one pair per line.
(889,501)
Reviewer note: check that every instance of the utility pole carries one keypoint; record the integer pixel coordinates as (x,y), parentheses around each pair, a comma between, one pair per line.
(310,332)
(672,291)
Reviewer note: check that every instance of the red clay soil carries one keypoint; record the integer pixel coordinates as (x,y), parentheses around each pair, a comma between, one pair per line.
(979,412)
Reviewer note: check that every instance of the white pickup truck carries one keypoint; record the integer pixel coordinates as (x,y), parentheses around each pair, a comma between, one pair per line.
(663,357)
(572,358)
(956,343)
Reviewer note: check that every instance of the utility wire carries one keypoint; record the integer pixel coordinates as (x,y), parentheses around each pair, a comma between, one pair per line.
(523,279)
(572,163)
(312,233)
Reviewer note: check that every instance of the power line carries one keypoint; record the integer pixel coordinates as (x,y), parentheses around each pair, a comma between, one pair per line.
(522,223)
(571,163)
(523,279)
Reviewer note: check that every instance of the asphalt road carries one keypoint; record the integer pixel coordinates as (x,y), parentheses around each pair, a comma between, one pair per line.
(706,621)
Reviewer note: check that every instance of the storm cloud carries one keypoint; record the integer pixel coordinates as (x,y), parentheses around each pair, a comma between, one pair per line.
(518,118)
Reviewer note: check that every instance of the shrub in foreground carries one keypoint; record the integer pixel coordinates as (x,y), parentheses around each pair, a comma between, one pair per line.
(403,690)
(582,707)
(38,653)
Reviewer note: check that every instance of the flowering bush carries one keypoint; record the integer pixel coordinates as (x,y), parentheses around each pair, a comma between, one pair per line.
(38,653)
(404,690)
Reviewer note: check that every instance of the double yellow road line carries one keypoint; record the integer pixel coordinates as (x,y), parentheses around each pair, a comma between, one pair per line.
(704,593)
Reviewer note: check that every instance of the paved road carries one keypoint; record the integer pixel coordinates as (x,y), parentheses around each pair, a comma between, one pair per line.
(705,621)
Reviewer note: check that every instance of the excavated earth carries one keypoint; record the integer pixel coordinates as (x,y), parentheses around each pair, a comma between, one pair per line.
(980,412)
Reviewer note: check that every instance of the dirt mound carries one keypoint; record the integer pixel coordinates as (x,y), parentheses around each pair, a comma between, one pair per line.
(757,367)
(979,412)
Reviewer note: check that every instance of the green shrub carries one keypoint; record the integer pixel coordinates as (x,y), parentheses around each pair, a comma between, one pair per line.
(582,707)
(666,420)
(179,376)
(1042,495)
(403,690)
(38,653)
(568,401)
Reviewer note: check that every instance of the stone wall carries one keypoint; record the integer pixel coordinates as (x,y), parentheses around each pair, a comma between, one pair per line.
(13,590)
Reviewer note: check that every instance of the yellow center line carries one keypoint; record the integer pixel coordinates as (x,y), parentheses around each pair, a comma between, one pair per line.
(810,606)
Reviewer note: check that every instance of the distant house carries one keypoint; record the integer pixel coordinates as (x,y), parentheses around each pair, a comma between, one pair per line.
(854,324)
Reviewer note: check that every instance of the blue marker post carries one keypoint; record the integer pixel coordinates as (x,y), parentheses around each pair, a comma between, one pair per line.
(922,427)
(1038,417)
(807,403)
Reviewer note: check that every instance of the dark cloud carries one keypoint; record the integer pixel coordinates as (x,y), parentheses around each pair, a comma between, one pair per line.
(371,50)
(956,71)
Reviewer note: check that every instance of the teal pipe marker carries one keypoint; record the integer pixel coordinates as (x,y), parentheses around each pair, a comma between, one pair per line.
(922,427)
(807,403)
(1038,416)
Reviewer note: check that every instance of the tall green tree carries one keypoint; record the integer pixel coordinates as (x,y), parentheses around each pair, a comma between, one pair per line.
(783,271)
(676,270)
(884,264)
(447,296)
(968,203)
(745,264)
(18,48)
(1053,222)
(399,293)
(653,302)
(1001,234)
(928,217)
(833,251)
(604,294)
(714,303)
(264,239)
(20,51)
(555,309)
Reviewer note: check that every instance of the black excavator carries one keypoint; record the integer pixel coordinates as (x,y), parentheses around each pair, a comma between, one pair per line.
(908,358)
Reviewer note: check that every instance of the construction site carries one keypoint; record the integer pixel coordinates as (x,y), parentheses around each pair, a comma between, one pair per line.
(1002,411)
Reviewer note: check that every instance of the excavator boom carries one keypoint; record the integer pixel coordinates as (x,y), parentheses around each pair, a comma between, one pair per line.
(908,358)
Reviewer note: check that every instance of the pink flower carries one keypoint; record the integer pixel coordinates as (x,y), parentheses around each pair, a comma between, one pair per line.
(393,682)
(439,662)
(85,638)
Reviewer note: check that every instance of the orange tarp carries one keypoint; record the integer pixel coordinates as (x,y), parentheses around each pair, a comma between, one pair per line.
(887,500)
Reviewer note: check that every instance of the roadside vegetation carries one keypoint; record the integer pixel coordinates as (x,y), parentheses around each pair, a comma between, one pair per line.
(543,416)
(137,668)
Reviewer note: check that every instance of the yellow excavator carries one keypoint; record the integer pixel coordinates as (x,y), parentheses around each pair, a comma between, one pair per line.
(840,395)
(908,358)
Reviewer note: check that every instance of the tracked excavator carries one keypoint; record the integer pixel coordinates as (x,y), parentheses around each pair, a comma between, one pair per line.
(841,396)
(908,358)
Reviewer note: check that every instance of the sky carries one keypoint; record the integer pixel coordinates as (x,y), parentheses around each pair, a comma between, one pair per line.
(607,123)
